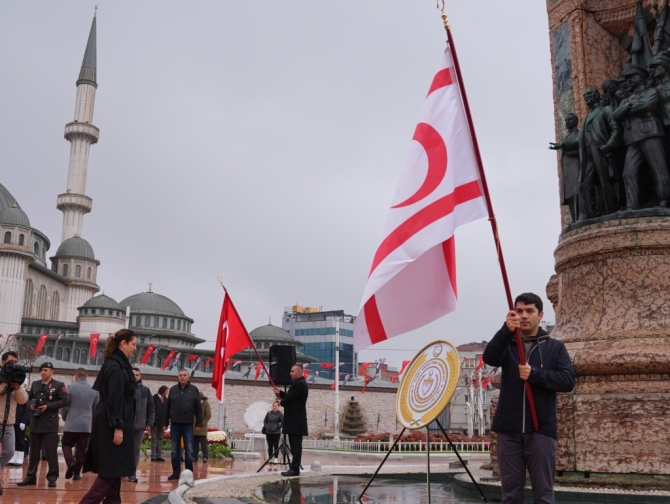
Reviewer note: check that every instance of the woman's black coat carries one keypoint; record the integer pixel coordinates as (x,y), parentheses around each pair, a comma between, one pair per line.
(295,413)
(116,410)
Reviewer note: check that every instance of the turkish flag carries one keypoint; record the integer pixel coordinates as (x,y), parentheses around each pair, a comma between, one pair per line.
(326,365)
(168,359)
(93,346)
(191,357)
(147,354)
(258,372)
(364,366)
(402,368)
(393,379)
(412,281)
(487,381)
(40,343)
(232,337)
(368,379)
(208,361)
(305,373)
(480,364)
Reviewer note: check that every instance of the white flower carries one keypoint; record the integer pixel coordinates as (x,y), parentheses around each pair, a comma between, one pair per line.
(216,436)
(255,415)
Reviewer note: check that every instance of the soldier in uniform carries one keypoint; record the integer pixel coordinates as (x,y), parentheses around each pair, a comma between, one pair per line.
(46,397)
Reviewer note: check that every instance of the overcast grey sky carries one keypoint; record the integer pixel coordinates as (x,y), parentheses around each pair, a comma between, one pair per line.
(262,142)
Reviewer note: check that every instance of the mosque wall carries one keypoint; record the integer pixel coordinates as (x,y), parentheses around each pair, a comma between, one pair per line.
(46,297)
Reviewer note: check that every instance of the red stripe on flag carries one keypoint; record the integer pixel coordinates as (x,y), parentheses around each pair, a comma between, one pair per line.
(425,217)
(374,321)
(441,79)
(449,250)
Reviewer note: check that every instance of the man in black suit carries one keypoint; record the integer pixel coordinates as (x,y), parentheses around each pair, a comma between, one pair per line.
(295,416)
(46,397)
(157,427)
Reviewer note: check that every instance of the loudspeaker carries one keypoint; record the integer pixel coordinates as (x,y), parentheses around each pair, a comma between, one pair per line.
(282,358)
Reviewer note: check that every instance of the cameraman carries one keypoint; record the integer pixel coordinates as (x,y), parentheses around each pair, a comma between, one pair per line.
(16,395)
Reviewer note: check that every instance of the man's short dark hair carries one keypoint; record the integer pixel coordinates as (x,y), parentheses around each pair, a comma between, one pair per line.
(137,369)
(6,355)
(529,298)
(81,373)
(162,389)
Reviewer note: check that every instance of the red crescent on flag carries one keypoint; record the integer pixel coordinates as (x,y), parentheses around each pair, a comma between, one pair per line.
(436,150)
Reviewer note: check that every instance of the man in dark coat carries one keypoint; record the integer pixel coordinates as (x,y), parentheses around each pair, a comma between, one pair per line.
(295,416)
(183,403)
(548,370)
(78,418)
(46,397)
(157,427)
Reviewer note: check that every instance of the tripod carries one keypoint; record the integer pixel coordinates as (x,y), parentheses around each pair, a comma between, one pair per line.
(285,451)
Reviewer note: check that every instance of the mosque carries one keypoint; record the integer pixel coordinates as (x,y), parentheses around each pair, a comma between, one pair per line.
(60,301)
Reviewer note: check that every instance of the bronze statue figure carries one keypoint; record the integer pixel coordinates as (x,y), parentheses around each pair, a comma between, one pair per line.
(597,139)
(570,169)
(643,135)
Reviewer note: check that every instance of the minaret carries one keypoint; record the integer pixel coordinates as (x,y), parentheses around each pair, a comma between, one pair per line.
(81,134)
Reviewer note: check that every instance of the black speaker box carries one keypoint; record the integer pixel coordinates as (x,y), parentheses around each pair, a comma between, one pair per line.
(282,357)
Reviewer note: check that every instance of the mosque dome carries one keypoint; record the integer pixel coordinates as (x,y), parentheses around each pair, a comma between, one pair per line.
(273,334)
(76,247)
(102,301)
(14,216)
(6,199)
(153,304)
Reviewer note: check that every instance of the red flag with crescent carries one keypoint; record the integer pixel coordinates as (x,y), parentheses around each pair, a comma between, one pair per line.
(405,363)
(40,343)
(208,361)
(147,354)
(480,363)
(231,338)
(412,281)
(191,357)
(364,366)
(368,379)
(168,359)
(93,346)
(326,365)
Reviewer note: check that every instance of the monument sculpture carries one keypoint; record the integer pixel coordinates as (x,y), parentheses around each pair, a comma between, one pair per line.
(610,290)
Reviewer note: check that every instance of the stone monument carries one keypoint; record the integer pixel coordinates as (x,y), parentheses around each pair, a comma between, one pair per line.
(611,290)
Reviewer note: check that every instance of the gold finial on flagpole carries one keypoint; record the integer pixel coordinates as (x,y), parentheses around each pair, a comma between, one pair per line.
(220,280)
(445,19)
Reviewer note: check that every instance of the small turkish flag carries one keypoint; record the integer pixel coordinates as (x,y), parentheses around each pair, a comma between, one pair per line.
(412,281)
(305,373)
(402,368)
(168,359)
(93,346)
(40,343)
(191,357)
(147,354)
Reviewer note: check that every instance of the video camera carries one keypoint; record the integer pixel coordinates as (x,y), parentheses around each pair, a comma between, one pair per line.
(12,372)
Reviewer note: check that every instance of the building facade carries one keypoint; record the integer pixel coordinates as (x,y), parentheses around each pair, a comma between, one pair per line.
(315,329)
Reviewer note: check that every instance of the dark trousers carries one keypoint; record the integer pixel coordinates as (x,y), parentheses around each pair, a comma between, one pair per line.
(78,441)
(50,440)
(20,439)
(200,445)
(597,169)
(273,443)
(107,490)
(296,451)
(156,441)
(177,433)
(516,452)
(653,151)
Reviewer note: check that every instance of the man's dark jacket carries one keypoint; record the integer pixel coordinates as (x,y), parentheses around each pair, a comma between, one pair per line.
(295,413)
(182,404)
(159,406)
(551,372)
(54,396)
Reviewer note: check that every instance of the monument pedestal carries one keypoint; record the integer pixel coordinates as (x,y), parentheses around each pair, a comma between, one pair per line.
(611,294)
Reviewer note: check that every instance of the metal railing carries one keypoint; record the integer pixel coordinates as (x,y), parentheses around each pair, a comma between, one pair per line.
(242,444)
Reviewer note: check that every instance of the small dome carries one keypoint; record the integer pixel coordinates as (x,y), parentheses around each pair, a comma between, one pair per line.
(6,199)
(102,301)
(272,333)
(152,304)
(14,216)
(76,247)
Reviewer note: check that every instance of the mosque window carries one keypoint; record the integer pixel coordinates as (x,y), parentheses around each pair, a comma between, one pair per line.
(36,248)
(65,268)
(147,321)
(28,299)
(88,274)
(8,237)
(171,323)
(21,240)
(66,354)
(156,322)
(75,356)
(77,271)
(42,303)
(84,356)
(164,323)
(179,325)
(59,354)
(93,311)
(50,351)
(138,321)
(55,305)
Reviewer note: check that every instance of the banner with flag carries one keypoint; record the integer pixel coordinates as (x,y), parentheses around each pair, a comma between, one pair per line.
(168,359)
(93,346)
(232,337)
(40,343)
(412,280)
(405,363)
(147,354)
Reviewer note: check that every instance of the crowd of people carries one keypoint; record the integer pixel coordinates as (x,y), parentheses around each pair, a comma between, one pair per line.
(104,423)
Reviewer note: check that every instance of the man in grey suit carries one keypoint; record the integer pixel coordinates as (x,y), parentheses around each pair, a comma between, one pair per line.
(78,417)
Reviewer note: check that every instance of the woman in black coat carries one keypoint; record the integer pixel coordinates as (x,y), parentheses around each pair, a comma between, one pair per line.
(111,452)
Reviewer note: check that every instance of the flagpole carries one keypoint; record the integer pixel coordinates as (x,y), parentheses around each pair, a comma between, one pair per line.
(336,437)
(489,207)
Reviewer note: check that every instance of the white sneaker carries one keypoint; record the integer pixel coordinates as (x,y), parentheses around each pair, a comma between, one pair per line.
(13,460)
(19,460)
(276,460)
